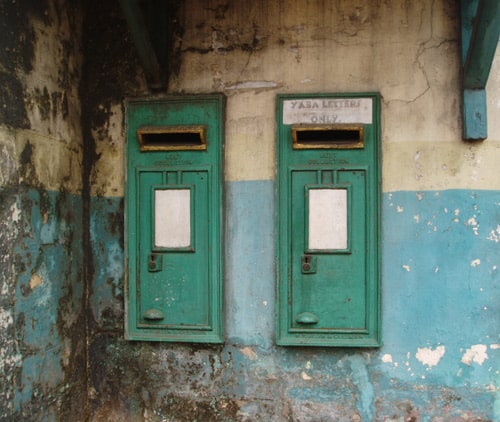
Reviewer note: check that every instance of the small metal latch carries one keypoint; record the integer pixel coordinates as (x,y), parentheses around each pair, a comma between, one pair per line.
(308,264)
(154,315)
(155,262)
(307,318)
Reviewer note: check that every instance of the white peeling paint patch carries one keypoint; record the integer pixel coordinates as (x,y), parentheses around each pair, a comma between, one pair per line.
(265,302)
(474,224)
(8,359)
(475,262)
(305,377)
(308,364)
(387,358)
(5,319)
(407,268)
(249,353)
(400,209)
(477,353)
(430,357)
(494,346)
(416,218)
(16,212)
(495,235)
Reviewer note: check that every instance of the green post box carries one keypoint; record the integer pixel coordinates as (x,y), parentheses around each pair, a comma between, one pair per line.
(174,206)
(329,215)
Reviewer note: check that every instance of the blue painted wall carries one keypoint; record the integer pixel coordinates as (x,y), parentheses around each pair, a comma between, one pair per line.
(440,354)
(42,336)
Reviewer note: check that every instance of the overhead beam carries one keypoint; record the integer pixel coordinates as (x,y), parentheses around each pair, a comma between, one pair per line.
(480,33)
(483,44)
(140,35)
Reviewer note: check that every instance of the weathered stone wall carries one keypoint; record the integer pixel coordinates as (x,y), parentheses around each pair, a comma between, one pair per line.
(65,70)
(42,325)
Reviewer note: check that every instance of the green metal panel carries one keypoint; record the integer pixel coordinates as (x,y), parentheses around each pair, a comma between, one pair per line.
(174,205)
(328,243)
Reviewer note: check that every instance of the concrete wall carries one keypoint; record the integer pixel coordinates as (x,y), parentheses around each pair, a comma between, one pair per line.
(62,185)
(42,324)
(440,248)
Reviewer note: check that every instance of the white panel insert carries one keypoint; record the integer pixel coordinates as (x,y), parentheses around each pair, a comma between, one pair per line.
(172,218)
(327,219)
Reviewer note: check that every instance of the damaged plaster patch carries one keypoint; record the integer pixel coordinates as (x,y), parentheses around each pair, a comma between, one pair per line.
(477,353)
(387,358)
(253,85)
(430,357)
(474,224)
(7,358)
(16,212)
(35,281)
(5,319)
(495,235)
(249,353)
(475,262)
(305,377)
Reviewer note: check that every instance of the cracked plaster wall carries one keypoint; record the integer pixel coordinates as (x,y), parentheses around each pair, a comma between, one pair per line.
(42,341)
(441,202)
(439,360)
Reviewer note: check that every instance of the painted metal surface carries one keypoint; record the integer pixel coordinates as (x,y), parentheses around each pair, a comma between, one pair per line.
(337,303)
(174,221)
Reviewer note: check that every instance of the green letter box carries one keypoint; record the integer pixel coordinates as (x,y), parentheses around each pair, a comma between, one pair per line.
(328,216)
(174,205)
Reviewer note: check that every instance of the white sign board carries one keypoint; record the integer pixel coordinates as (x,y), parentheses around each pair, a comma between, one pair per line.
(328,111)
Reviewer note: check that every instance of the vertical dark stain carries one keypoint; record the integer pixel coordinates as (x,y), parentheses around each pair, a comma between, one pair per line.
(109,72)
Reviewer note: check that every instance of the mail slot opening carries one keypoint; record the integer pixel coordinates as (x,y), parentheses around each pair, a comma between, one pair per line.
(314,137)
(172,138)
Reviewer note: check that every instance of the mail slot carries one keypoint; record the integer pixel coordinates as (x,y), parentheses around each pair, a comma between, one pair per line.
(328,213)
(174,214)
(165,138)
(327,136)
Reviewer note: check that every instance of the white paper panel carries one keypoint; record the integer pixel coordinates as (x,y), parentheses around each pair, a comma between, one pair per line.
(327,219)
(173,218)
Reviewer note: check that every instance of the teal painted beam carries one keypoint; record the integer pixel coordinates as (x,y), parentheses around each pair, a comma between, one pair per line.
(469,11)
(483,43)
(145,49)
(480,33)
(475,124)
